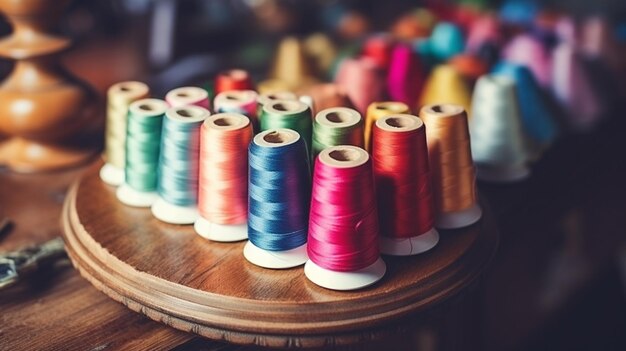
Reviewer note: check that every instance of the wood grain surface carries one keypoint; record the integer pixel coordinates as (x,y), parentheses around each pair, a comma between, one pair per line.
(172,275)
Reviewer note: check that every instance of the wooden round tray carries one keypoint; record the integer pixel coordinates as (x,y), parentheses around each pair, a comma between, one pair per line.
(174,276)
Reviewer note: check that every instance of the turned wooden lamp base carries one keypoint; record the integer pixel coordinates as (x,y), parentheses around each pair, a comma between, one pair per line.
(27,156)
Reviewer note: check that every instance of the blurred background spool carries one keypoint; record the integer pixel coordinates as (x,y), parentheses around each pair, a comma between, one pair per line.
(279,193)
(343,208)
(379,49)
(405,77)
(186,96)
(470,66)
(446,86)
(119,98)
(326,95)
(485,31)
(143,144)
(415,24)
(572,88)
(446,41)
(451,164)
(238,101)
(527,50)
(234,79)
(403,186)
(538,121)
(290,70)
(288,114)
(498,141)
(322,53)
(223,177)
(377,110)
(178,165)
(362,81)
(336,126)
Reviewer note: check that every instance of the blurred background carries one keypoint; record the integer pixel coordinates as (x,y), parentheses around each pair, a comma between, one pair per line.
(558,281)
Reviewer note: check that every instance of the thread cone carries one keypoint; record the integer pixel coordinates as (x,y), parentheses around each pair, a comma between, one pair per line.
(291,66)
(446,41)
(537,120)
(360,79)
(497,138)
(405,78)
(573,89)
(529,51)
(446,86)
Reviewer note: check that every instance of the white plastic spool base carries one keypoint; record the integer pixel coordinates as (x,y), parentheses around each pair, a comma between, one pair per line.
(409,246)
(112,175)
(174,214)
(345,280)
(459,219)
(131,197)
(275,259)
(221,232)
(501,174)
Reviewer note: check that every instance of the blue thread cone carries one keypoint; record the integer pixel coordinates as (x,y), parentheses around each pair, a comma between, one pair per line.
(521,12)
(446,41)
(536,117)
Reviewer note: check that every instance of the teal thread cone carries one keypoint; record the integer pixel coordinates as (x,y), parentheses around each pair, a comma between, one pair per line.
(145,120)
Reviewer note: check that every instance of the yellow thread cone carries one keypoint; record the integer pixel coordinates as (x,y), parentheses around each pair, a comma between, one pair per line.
(445,85)
(377,110)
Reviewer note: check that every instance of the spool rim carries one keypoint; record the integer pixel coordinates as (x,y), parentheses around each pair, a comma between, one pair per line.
(407,123)
(288,137)
(344,156)
(157,108)
(234,121)
(347,117)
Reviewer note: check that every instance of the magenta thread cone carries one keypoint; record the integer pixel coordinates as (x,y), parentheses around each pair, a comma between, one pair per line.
(405,78)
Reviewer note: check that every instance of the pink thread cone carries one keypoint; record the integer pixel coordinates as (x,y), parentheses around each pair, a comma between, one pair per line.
(529,51)
(405,78)
(572,88)
(361,81)
(485,30)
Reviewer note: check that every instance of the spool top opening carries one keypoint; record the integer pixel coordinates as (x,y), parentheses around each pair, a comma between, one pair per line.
(276,137)
(399,123)
(343,156)
(148,107)
(227,121)
(286,106)
(184,113)
(445,110)
(125,88)
(338,117)
(187,93)
(391,106)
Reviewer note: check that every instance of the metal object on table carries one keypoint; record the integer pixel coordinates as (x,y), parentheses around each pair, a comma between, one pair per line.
(16,265)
